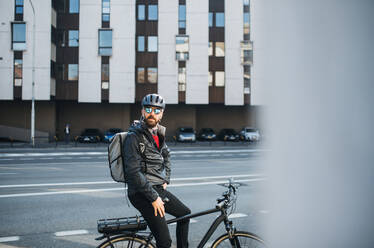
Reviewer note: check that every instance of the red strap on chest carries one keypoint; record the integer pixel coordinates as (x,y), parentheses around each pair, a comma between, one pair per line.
(155,137)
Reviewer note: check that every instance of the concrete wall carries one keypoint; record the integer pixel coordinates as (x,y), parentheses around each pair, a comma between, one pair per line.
(122,62)
(42,50)
(89,86)
(234,84)
(91,115)
(6,64)
(17,114)
(197,67)
(167,65)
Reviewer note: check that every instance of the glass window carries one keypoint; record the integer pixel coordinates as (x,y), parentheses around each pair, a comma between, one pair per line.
(140,43)
(152,44)
(220,19)
(140,75)
(73,38)
(73,72)
(246,2)
(246,17)
(182,79)
(18,36)
(181,47)
(220,49)
(210,78)
(210,49)
(210,19)
(19,7)
(105,42)
(106,11)
(141,12)
(18,72)
(152,12)
(182,12)
(105,85)
(73,6)
(220,78)
(152,75)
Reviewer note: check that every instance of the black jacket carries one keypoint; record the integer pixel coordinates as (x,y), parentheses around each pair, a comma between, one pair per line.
(145,164)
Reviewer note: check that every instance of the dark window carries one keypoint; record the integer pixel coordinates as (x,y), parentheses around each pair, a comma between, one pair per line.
(73,72)
(18,72)
(140,75)
(140,43)
(53,35)
(61,37)
(105,76)
(152,75)
(141,12)
(53,69)
(73,6)
(152,12)
(18,36)
(105,42)
(220,19)
(73,38)
(152,44)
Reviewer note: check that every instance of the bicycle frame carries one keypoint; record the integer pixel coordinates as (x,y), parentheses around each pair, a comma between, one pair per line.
(212,228)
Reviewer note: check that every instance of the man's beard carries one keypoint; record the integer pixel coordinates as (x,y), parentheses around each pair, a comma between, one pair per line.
(151,123)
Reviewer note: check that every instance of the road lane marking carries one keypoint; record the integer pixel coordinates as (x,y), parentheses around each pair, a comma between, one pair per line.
(191,221)
(121,188)
(39,154)
(264,211)
(7,173)
(70,233)
(112,182)
(237,215)
(9,239)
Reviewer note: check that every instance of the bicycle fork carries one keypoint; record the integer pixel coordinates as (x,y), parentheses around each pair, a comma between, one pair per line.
(230,229)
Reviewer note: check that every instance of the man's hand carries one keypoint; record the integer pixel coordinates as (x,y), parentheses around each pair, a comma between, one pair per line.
(158,206)
(164,185)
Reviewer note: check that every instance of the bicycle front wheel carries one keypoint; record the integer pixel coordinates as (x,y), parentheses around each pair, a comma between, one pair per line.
(240,239)
(126,241)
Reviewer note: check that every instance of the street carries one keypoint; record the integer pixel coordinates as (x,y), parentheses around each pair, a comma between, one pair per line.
(53,198)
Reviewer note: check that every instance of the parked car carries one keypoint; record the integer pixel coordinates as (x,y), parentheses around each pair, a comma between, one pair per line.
(250,134)
(90,135)
(186,134)
(109,134)
(206,134)
(228,134)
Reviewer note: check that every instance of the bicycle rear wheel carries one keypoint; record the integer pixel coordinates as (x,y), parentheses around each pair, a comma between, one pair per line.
(126,241)
(240,239)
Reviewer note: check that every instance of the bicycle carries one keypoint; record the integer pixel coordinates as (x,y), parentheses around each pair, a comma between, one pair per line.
(130,231)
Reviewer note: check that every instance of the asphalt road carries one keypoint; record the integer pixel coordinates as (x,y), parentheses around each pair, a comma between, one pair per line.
(53,198)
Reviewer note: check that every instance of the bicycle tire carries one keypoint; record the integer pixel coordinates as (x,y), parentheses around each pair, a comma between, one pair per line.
(126,241)
(241,239)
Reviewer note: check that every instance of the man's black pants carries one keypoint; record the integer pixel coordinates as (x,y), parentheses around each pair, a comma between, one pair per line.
(158,225)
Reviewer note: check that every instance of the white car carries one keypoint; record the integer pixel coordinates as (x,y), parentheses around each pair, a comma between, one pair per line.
(250,134)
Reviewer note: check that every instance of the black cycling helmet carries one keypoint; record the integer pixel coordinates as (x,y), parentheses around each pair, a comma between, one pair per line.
(153,100)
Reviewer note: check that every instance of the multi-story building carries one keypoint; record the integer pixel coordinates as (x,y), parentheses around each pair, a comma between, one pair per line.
(96,59)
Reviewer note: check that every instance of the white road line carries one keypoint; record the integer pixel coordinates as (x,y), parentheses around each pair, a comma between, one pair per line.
(264,211)
(39,154)
(46,158)
(3,159)
(7,173)
(120,188)
(237,215)
(112,182)
(70,233)
(9,239)
(191,221)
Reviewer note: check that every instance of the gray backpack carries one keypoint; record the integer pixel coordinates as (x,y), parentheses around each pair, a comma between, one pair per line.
(116,157)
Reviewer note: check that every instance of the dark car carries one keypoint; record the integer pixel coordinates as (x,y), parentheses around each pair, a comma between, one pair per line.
(228,134)
(186,134)
(109,134)
(206,134)
(90,135)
